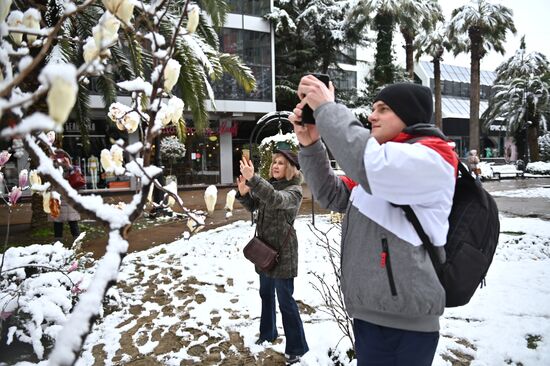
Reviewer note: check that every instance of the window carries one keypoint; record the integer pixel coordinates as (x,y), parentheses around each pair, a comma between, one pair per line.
(249,7)
(347,56)
(343,79)
(254,48)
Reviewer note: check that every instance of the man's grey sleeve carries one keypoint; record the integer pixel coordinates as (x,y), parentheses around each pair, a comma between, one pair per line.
(326,187)
(346,138)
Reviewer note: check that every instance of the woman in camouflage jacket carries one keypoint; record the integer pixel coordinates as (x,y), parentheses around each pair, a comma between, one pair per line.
(277,202)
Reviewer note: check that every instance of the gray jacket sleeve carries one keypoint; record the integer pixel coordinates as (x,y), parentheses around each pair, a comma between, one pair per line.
(327,188)
(346,138)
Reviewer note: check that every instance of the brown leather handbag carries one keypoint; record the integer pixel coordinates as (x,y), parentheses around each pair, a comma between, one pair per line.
(263,255)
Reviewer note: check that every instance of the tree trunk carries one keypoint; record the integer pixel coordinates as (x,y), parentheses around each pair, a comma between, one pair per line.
(532,141)
(409,53)
(383,63)
(520,141)
(475,39)
(437,92)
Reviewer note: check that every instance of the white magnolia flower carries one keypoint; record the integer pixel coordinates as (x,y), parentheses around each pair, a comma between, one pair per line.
(171,74)
(117,155)
(163,116)
(193,19)
(61,99)
(230,200)
(5,6)
(173,188)
(31,20)
(90,50)
(175,106)
(106,31)
(46,202)
(16,20)
(131,121)
(34,178)
(210,198)
(123,9)
(117,111)
(106,160)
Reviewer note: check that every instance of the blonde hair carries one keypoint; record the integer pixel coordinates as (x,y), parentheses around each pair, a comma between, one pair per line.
(291,171)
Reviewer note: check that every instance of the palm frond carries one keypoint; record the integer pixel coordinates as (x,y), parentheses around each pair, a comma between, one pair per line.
(216,9)
(232,65)
(122,64)
(106,86)
(191,85)
(136,54)
(82,114)
(208,33)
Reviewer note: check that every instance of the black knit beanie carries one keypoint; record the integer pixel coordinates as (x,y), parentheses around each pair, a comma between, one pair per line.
(411,102)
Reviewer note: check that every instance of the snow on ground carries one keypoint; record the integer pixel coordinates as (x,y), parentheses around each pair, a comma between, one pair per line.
(543,192)
(507,322)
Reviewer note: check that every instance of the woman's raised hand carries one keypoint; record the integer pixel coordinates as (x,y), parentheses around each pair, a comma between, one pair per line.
(247,168)
(241,185)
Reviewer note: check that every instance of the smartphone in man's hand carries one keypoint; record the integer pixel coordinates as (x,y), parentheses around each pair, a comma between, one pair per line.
(307,112)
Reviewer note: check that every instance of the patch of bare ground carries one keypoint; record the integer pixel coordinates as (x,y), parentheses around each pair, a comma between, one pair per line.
(455,356)
(201,348)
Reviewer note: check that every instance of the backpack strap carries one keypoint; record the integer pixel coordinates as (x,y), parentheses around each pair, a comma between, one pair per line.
(411,216)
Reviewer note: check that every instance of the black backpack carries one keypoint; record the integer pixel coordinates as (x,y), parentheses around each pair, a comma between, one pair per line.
(474,228)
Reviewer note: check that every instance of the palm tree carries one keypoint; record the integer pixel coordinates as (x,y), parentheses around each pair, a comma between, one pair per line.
(413,17)
(304,43)
(522,98)
(433,44)
(486,25)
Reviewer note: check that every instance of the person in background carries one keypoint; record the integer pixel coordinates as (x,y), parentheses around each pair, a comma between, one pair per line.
(66,212)
(473,164)
(389,284)
(277,202)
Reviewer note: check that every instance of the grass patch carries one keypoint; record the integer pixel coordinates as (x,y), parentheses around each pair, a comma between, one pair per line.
(533,340)
(42,233)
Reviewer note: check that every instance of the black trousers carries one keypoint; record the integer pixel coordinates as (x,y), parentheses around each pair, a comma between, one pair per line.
(58,229)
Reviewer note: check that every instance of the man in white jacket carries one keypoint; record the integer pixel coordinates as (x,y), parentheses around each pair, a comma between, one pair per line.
(389,284)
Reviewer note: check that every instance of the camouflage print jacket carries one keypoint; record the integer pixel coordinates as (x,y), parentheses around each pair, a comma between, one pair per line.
(277,202)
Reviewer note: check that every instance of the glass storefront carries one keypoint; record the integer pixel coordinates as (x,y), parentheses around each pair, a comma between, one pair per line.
(201,163)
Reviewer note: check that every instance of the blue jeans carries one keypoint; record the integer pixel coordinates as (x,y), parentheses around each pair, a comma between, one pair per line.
(294,331)
(376,345)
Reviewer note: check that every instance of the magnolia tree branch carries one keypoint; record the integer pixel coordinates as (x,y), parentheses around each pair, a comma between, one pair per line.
(43,52)
(71,338)
(331,290)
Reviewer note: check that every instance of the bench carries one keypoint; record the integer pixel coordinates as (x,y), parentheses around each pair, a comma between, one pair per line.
(507,171)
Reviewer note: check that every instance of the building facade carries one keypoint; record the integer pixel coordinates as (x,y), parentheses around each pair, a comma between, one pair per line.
(455,107)
(211,158)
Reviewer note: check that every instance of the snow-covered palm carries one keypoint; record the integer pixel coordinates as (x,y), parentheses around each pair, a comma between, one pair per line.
(522,97)
(433,43)
(410,15)
(413,18)
(164,48)
(486,25)
(310,36)
(544,146)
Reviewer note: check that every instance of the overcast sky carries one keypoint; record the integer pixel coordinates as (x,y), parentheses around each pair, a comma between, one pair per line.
(531,18)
